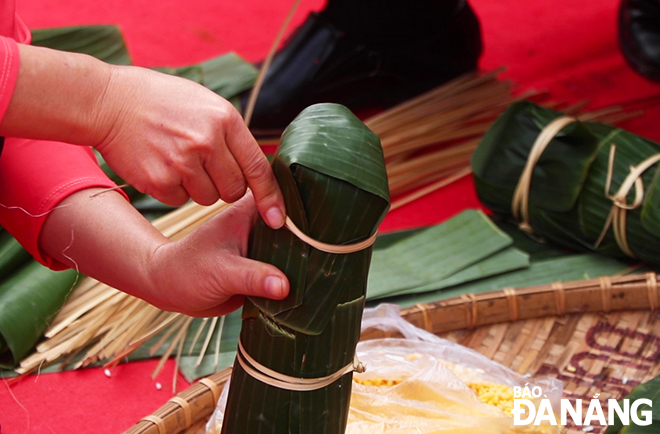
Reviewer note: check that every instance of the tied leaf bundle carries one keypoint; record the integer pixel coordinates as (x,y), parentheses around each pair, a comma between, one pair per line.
(584,191)
(332,173)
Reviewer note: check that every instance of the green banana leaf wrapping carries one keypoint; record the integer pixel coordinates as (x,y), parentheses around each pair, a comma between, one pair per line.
(29,299)
(567,201)
(332,174)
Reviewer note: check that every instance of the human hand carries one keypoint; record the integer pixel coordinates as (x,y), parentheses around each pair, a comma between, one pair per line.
(206,273)
(174,139)
(167,136)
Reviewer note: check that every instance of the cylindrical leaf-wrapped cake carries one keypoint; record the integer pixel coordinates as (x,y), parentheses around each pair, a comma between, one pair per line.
(293,372)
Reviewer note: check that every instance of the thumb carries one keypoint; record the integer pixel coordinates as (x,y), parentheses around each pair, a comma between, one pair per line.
(255,279)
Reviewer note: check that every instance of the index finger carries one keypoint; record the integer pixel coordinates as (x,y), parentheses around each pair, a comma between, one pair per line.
(257,172)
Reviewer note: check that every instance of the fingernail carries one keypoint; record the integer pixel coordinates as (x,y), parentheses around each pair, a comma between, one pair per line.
(274,286)
(274,218)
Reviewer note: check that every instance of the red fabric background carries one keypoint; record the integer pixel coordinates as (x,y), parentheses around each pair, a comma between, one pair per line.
(567,47)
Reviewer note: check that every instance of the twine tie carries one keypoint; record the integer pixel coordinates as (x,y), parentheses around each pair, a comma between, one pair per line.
(273,378)
(520,203)
(330,248)
(620,205)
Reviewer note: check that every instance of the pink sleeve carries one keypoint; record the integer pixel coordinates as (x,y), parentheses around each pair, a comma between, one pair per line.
(34,177)
(9,62)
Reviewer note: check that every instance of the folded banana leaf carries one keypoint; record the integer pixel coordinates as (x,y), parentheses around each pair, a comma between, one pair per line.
(438,253)
(29,299)
(104,42)
(332,173)
(568,203)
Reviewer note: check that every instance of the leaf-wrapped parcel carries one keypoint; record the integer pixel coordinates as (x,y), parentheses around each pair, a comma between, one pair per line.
(331,169)
(569,199)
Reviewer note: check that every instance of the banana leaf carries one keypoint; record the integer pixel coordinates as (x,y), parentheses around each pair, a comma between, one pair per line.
(29,299)
(227,75)
(541,272)
(567,201)
(506,261)
(104,42)
(435,254)
(12,255)
(332,173)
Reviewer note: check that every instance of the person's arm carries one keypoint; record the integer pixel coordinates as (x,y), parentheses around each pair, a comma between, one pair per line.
(167,136)
(200,275)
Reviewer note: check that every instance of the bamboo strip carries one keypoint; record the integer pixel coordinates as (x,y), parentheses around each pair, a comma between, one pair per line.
(81,291)
(100,298)
(195,218)
(418,180)
(178,214)
(75,342)
(430,188)
(207,340)
(177,323)
(452,87)
(432,158)
(180,335)
(77,299)
(200,329)
(136,343)
(107,300)
(458,108)
(448,164)
(116,340)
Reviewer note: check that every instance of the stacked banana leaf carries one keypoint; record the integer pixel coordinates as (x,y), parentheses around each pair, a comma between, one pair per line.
(568,200)
(332,173)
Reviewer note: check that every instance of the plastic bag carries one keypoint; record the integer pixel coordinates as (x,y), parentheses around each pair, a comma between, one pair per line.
(431,389)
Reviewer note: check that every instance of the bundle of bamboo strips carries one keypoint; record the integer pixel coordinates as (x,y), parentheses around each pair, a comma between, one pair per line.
(427,142)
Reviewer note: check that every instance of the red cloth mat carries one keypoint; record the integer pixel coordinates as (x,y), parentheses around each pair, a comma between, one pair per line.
(567,47)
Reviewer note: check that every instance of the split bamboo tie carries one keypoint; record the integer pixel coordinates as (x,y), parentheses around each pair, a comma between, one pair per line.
(286,382)
(620,205)
(520,203)
(330,248)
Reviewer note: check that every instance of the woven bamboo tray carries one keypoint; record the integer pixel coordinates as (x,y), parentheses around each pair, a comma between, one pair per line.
(597,336)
